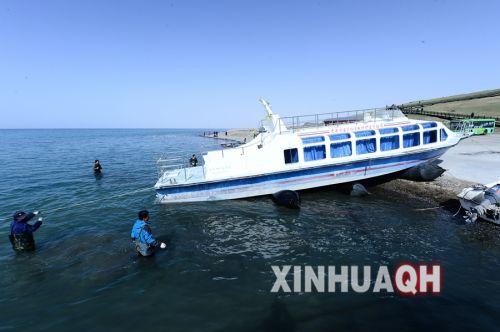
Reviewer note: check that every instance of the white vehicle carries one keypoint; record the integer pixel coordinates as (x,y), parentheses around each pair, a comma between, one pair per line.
(303,152)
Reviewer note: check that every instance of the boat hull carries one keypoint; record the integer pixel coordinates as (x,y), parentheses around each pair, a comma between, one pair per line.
(301,179)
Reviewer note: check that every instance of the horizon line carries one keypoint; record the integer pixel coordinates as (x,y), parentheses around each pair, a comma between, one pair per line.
(121,128)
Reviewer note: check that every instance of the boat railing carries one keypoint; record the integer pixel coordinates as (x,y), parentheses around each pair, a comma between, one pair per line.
(177,169)
(168,165)
(294,123)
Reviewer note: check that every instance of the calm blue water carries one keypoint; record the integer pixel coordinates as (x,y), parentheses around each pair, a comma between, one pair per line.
(216,275)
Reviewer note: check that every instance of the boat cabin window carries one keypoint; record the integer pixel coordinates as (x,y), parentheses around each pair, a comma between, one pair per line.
(429,125)
(341,149)
(444,135)
(410,140)
(384,131)
(388,143)
(364,133)
(430,136)
(366,146)
(410,127)
(291,156)
(339,137)
(310,140)
(315,152)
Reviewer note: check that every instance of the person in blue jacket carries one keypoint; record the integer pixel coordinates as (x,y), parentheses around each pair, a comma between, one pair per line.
(21,233)
(141,235)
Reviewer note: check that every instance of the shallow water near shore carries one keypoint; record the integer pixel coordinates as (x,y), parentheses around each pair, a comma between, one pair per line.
(216,274)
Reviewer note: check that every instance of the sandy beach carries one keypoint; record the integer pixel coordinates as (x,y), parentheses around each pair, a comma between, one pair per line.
(475,159)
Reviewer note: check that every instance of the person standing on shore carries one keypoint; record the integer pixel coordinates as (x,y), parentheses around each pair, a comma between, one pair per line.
(141,235)
(21,233)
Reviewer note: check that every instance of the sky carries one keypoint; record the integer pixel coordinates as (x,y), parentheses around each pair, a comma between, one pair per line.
(205,64)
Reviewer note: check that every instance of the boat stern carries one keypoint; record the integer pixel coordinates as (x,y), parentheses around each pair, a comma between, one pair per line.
(170,180)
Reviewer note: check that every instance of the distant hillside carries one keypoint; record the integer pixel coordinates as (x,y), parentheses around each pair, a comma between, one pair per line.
(462,97)
(482,104)
(484,107)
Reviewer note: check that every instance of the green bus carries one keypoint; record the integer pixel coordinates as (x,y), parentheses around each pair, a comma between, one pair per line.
(474,126)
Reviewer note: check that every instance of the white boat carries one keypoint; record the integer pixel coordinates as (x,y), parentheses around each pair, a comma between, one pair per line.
(303,152)
(482,201)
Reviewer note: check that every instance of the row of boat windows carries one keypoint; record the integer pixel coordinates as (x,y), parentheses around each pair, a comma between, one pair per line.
(362,146)
(367,133)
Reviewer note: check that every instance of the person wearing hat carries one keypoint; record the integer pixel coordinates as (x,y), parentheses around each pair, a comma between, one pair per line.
(21,233)
(141,235)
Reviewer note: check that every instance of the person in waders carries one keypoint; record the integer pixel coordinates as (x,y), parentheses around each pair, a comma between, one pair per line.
(97,167)
(21,233)
(143,239)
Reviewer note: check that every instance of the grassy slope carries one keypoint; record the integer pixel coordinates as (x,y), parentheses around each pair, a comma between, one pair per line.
(483,107)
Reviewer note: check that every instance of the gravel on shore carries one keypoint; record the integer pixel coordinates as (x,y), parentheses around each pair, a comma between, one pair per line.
(441,190)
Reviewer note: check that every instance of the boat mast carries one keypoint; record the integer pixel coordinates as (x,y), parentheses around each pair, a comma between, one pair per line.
(267,106)
(274,119)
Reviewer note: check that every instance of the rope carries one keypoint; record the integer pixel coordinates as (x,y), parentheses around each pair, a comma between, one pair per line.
(100,199)
(93,201)
(459,208)
(432,208)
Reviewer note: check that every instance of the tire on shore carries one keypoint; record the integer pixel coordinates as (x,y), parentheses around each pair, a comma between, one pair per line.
(424,172)
(287,198)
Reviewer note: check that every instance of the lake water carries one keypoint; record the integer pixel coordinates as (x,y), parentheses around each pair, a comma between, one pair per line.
(216,274)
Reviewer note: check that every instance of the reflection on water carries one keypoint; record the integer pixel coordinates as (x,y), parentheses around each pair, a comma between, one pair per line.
(216,274)
(230,235)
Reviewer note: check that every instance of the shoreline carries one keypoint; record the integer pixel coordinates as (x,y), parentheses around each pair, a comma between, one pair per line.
(438,191)
(232,135)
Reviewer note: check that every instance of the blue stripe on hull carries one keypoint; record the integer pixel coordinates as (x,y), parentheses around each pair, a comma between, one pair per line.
(415,157)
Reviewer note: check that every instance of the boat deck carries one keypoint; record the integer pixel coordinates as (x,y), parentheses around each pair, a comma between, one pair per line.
(184,175)
(300,122)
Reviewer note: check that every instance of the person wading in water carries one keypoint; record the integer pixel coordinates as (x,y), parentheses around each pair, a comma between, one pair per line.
(97,167)
(141,235)
(21,233)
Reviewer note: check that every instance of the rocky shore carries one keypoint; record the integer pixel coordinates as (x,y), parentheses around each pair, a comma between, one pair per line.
(439,191)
